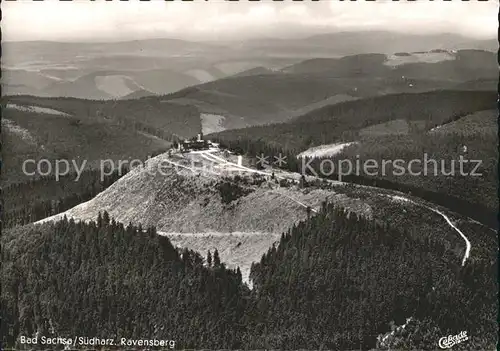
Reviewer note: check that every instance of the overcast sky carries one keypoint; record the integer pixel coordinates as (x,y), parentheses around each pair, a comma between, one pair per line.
(82,20)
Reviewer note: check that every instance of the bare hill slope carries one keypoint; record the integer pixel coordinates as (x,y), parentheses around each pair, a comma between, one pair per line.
(205,201)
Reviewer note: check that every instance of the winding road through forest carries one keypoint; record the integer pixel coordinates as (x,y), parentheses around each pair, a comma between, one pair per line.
(468,245)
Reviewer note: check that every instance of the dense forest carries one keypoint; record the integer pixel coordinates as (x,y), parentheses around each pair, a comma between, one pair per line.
(334,281)
(44,197)
(472,196)
(36,136)
(344,121)
(92,131)
(108,280)
(368,275)
(443,152)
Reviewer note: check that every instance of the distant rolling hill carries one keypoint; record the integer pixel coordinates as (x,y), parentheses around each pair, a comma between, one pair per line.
(50,53)
(263,96)
(118,84)
(17,81)
(54,69)
(347,66)
(138,94)
(261,99)
(175,64)
(363,42)
(438,65)
(255,72)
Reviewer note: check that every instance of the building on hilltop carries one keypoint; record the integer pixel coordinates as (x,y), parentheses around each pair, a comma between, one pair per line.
(195,144)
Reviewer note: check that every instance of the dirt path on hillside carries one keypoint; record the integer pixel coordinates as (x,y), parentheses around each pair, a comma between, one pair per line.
(236,249)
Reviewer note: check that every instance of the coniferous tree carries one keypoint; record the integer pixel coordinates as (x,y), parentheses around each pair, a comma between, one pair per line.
(105,217)
(209,259)
(216,258)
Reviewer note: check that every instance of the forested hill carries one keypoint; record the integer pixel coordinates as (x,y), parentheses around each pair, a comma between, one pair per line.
(400,126)
(333,282)
(88,130)
(148,114)
(432,107)
(343,121)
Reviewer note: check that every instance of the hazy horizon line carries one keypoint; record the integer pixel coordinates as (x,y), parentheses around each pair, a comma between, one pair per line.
(250,38)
